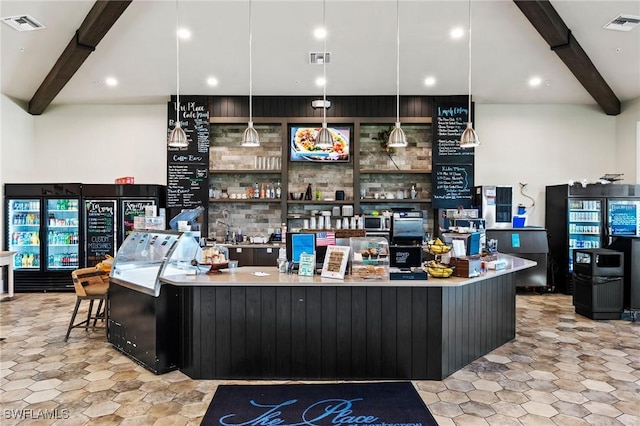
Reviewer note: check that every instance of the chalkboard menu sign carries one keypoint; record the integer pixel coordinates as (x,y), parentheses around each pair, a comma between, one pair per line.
(100,230)
(452,185)
(188,168)
(452,166)
(449,123)
(132,209)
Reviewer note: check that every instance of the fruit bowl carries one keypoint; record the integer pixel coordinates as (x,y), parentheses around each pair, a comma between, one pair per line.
(438,248)
(438,270)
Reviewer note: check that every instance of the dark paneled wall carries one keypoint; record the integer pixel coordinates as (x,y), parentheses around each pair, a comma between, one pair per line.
(342,106)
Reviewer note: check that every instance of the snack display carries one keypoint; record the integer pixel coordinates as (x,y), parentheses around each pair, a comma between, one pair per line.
(213,255)
(369,258)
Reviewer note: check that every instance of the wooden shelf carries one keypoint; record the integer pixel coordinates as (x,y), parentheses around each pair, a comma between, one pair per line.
(395,200)
(252,171)
(244,200)
(393,172)
(321,202)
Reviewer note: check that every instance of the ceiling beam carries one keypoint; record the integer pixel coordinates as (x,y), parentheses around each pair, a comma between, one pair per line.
(95,26)
(552,28)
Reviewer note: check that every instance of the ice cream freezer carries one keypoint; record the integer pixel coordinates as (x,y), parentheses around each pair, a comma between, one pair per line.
(528,243)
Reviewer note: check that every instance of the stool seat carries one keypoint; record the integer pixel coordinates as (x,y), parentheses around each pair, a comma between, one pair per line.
(90,284)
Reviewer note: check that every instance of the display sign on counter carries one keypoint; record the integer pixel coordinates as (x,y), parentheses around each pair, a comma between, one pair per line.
(188,168)
(624,217)
(100,230)
(450,121)
(452,185)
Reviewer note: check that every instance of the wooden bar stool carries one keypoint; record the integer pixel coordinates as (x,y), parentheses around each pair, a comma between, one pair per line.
(90,284)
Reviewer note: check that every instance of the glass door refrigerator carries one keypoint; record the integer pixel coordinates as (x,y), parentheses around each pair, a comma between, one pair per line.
(109,213)
(576,218)
(43,228)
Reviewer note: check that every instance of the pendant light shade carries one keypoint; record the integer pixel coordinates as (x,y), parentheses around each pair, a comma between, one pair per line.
(250,137)
(469,138)
(178,138)
(397,138)
(324,138)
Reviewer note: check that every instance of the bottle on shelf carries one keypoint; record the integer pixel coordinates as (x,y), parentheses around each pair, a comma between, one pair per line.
(256,190)
(278,191)
(262,193)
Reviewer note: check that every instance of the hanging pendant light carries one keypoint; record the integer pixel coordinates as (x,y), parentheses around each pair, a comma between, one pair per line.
(397,138)
(324,138)
(250,137)
(178,138)
(469,138)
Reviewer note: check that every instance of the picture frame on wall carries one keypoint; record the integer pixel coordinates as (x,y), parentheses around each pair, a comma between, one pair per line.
(335,262)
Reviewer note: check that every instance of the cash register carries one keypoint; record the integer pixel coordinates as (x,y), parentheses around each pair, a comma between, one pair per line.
(407,230)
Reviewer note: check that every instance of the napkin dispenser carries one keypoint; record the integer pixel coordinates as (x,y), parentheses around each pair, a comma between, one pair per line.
(467,267)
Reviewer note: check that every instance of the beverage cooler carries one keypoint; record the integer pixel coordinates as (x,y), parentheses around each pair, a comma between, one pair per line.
(579,217)
(43,228)
(109,213)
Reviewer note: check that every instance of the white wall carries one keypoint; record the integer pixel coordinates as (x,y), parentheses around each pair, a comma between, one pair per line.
(98,143)
(628,142)
(542,145)
(17,151)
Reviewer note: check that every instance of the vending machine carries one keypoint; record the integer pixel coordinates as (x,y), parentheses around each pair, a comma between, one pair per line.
(585,217)
(43,228)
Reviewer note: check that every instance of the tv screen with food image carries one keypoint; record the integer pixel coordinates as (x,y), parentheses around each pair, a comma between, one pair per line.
(304,147)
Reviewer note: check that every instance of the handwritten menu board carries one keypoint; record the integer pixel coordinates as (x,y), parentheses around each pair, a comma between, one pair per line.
(452,166)
(100,230)
(188,168)
(452,185)
(132,209)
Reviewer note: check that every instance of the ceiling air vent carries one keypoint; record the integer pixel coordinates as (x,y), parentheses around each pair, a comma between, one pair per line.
(317,58)
(23,23)
(623,23)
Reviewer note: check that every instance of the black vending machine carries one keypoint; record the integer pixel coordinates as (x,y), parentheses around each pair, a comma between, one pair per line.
(43,227)
(109,214)
(586,217)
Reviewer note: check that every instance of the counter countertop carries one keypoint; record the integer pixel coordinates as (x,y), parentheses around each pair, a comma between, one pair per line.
(247,276)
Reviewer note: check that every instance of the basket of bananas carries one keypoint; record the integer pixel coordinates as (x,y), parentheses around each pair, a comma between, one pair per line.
(438,247)
(437,269)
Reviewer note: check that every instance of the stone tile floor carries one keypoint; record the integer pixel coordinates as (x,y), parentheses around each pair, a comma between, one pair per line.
(561,369)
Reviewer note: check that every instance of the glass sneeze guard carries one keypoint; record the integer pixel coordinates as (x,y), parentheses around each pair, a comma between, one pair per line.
(145,255)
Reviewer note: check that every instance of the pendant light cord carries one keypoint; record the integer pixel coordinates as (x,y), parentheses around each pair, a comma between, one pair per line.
(324,65)
(397,61)
(177,66)
(469,105)
(250,69)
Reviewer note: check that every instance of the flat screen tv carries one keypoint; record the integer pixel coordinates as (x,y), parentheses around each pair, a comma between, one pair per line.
(623,217)
(302,143)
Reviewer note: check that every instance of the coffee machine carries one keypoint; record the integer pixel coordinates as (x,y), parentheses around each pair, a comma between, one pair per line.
(407,230)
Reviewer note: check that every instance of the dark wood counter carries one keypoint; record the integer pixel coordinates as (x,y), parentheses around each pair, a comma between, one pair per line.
(243,326)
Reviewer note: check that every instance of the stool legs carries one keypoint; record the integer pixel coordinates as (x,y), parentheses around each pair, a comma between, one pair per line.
(86,324)
(73,318)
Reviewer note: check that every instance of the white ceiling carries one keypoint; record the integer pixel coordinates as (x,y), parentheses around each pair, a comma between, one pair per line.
(140,50)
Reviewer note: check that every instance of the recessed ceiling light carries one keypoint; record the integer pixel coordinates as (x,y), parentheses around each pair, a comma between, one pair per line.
(457,32)
(320,33)
(111,81)
(429,81)
(535,81)
(320,81)
(184,33)
(212,81)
